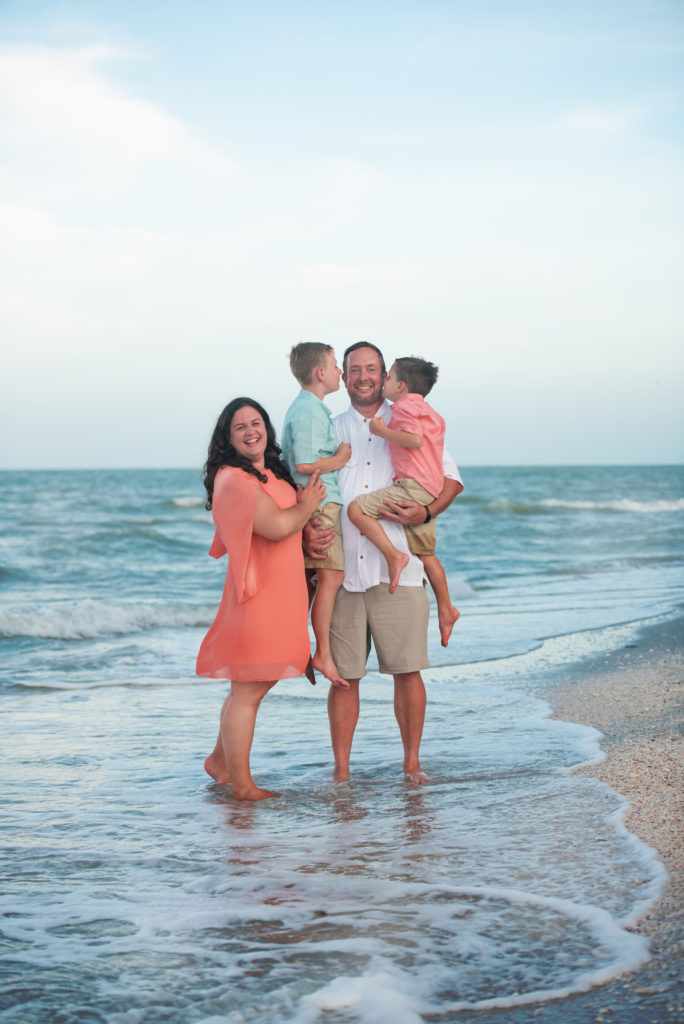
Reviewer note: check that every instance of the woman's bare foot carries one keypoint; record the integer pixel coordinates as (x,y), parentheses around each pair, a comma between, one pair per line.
(252,793)
(218,772)
(447,621)
(325,664)
(396,565)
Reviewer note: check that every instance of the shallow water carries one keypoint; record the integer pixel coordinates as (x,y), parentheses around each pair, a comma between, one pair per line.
(136,890)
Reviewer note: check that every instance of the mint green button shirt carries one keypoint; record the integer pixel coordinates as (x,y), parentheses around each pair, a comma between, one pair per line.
(308,435)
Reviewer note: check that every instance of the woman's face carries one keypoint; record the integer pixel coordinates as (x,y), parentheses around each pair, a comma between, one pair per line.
(248,435)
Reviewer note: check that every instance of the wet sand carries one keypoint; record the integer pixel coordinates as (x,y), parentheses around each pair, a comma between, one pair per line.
(634,697)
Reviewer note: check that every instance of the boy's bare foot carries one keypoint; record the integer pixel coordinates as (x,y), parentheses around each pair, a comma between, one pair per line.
(396,565)
(325,664)
(447,621)
(252,793)
(218,772)
(417,777)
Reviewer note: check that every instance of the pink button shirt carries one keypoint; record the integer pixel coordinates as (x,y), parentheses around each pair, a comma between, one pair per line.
(412,413)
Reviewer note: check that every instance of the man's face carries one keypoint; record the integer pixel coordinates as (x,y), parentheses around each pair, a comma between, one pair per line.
(363,379)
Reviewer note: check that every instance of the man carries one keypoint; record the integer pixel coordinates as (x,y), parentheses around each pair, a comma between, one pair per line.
(397,622)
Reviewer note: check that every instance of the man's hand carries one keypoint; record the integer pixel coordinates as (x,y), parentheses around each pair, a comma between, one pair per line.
(316,542)
(408,513)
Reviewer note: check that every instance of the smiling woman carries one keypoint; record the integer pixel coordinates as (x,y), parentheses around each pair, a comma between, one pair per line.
(260,632)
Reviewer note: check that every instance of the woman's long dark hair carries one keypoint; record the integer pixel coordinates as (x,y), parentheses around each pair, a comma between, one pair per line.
(221,452)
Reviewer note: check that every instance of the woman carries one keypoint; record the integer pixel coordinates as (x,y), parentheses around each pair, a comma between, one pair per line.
(260,633)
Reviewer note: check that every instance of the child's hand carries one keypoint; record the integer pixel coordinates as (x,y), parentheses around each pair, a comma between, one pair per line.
(343,454)
(376,425)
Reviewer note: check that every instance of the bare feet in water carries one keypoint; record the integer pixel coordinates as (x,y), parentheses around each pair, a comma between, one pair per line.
(396,565)
(417,777)
(218,771)
(252,793)
(326,665)
(447,621)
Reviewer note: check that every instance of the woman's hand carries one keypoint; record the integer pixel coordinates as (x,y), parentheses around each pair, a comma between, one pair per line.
(313,494)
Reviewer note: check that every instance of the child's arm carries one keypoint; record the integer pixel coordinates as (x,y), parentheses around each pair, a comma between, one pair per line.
(328,463)
(400,437)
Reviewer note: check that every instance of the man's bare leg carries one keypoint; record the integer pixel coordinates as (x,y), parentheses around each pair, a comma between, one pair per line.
(446,611)
(238,717)
(409,708)
(343,714)
(396,560)
(329,582)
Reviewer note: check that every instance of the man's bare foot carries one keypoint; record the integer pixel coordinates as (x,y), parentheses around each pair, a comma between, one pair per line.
(218,772)
(325,664)
(396,565)
(341,775)
(447,620)
(252,793)
(417,777)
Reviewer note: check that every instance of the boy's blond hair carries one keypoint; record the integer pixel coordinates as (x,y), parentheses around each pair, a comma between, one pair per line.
(306,357)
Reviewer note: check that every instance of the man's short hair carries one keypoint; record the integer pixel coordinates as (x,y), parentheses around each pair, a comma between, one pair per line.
(306,357)
(418,374)
(363,344)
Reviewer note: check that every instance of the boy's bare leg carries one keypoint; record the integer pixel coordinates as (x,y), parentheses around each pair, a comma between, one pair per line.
(343,714)
(396,560)
(238,717)
(409,709)
(329,582)
(446,612)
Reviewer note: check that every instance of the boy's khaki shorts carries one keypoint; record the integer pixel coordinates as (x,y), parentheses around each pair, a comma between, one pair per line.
(329,515)
(397,623)
(421,539)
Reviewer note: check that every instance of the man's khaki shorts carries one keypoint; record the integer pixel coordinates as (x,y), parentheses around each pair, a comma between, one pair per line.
(396,622)
(329,515)
(421,539)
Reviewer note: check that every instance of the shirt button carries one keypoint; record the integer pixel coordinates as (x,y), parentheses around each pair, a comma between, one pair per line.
(368,463)
(360,556)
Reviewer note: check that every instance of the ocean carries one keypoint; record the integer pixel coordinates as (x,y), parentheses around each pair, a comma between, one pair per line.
(135,890)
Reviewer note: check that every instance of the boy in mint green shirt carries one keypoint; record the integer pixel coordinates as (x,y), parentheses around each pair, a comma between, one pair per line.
(310,445)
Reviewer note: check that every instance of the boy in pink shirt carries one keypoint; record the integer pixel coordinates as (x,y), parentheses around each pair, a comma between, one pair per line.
(416,439)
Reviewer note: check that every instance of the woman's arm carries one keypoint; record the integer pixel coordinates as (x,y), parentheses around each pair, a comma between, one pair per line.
(277,523)
(401,437)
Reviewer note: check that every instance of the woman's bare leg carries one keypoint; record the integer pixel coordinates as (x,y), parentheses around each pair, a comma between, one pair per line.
(215,765)
(396,560)
(238,717)
(329,582)
(446,612)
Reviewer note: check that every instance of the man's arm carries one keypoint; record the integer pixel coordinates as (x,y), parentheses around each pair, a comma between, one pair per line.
(410,513)
(316,542)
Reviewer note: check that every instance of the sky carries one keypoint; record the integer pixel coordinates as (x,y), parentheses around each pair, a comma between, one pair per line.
(187,189)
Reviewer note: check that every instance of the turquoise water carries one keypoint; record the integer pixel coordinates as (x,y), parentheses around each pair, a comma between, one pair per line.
(136,890)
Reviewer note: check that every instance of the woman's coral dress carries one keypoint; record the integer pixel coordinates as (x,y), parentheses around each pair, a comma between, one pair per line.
(260,632)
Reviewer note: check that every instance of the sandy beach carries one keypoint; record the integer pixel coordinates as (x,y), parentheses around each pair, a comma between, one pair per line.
(634,696)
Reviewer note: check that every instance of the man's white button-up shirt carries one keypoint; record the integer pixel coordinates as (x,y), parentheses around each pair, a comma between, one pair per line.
(369,468)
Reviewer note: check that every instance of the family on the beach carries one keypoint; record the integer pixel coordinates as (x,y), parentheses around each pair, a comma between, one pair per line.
(325,490)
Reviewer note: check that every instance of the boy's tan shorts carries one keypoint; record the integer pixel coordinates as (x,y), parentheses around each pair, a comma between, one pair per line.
(421,539)
(397,623)
(329,516)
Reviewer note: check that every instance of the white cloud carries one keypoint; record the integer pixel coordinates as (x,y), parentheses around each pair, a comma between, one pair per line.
(600,122)
(62,99)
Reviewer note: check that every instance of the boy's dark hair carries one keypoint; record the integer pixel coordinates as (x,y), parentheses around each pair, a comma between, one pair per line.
(306,357)
(418,374)
(362,344)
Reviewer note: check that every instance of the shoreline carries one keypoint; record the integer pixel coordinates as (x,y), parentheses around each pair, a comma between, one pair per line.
(633,695)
